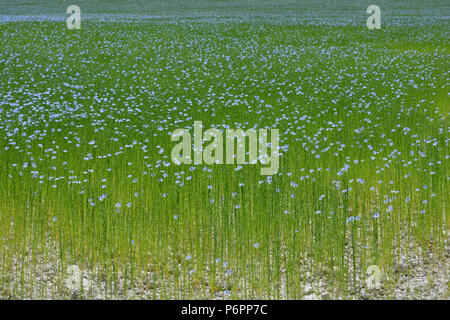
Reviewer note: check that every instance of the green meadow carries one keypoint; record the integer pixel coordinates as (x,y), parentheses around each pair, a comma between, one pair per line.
(87,182)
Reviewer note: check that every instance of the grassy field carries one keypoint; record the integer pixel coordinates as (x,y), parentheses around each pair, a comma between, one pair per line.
(86,177)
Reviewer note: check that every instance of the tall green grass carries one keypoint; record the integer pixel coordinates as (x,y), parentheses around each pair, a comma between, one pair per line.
(376,101)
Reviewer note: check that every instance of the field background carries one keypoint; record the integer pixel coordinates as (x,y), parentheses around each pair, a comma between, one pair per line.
(92,207)
(320,11)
